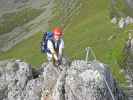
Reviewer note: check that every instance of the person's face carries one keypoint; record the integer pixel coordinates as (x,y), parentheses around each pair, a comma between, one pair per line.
(56,37)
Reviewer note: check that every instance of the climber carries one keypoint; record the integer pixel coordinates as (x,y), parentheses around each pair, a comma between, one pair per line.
(54,46)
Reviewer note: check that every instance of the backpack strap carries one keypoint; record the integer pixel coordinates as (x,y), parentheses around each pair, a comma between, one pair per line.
(56,48)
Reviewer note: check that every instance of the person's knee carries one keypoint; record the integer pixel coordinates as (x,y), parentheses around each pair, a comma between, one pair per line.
(49,57)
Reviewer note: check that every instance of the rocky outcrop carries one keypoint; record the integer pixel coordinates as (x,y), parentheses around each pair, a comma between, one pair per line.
(121,12)
(123,22)
(86,82)
(77,81)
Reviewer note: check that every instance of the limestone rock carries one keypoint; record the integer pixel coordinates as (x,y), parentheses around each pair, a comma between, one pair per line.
(76,81)
(86,82)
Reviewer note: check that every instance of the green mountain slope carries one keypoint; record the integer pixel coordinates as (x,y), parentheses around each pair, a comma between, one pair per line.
(121,8)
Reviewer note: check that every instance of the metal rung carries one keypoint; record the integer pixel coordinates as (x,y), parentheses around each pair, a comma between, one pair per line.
(89,51)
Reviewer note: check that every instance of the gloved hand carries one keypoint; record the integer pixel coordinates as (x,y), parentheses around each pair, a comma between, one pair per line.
(58,62)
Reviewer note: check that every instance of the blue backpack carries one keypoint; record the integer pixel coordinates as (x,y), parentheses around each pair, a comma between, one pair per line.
(46,36)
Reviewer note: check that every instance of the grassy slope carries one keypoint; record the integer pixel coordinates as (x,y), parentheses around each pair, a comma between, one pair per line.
(11,20)
(120,9)
(92,28)
(28,50)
